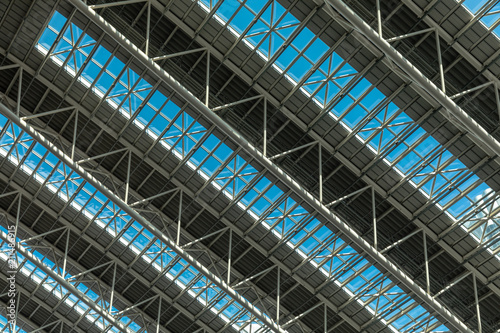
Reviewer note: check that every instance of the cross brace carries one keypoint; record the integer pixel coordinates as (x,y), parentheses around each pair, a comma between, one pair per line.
(274,169)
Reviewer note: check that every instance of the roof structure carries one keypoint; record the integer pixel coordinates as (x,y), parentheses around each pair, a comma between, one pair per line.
(254,166)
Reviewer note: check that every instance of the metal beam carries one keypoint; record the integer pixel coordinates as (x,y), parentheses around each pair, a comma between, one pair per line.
(72,289)
(453,42)
(118,3)
(138,217)
(96,245)
(325,144)
(43,305)
(75,264)
(276,261)
(136,196)
(298,122)
(25,321)
(274,169)
(479,134)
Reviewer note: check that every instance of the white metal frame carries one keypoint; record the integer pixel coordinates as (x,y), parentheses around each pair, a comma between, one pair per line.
(350,233)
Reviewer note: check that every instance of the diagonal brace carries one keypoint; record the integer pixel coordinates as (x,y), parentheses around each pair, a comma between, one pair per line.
(72,289)
(139,218)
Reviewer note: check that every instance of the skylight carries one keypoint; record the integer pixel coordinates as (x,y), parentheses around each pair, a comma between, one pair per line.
(178,133)
(62,181)
(29,269)
(320,73)
(490,17)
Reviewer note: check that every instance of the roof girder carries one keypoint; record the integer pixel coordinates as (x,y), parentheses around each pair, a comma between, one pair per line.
(445,101)
(331,149)
(346,317)
(106,250)
(136,216)
(351,234)
(185,189)
(84,298)
(136,195)
(475,129)
(92,242)
(324,299)
(75,264)
(43,304)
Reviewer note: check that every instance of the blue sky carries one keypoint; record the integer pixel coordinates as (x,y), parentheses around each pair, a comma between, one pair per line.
(319,72)
(163,119)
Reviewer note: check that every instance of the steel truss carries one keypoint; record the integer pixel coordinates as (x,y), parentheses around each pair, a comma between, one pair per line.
(246,280)
(449,249)
(23,322)
(81,275)
(334,150)
(274,169)
(465,121)
(305,283)
(116,260)
(453,42)
(145,200)
(65,284)
(437,193)
(483,68)
(134,204)
(136,216)
(438,94)
(93,158)
(80,162)
(461,179)
(105,290)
